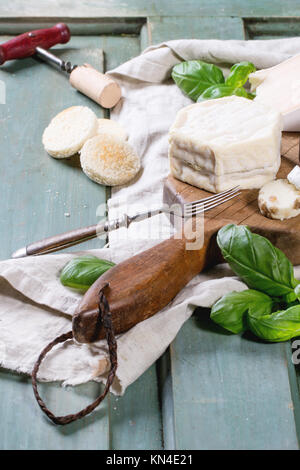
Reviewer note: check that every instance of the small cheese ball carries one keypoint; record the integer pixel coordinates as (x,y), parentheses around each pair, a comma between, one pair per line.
(279,199)
(109,160)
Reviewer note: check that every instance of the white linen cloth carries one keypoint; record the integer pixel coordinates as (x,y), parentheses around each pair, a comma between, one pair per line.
(35,307)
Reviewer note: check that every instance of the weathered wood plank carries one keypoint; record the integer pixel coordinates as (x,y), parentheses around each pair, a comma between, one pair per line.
(84,27)
(165,384)
(43,196)
(24,427)
(230,392)
(143,8)
(135,420)
(52,196)
(293,363)
(38,191)
(211,384)
(272,28)
(172,27)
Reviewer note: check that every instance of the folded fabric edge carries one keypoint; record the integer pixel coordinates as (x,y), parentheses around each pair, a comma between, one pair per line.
(177,50)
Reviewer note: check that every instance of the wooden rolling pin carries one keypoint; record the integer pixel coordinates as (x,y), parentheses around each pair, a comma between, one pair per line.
(129,293)
(144,284)
(89,81)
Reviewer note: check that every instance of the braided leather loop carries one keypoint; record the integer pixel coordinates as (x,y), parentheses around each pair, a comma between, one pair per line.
(105,318)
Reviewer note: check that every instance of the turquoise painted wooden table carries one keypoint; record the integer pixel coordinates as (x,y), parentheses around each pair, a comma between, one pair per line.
(210,390)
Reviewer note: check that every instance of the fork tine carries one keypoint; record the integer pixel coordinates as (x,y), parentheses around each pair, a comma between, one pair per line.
(206,207)
(218,200)
(211,206)
(222,199)
(211,198)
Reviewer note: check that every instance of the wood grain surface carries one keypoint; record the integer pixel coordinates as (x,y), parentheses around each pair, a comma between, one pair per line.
(144,8)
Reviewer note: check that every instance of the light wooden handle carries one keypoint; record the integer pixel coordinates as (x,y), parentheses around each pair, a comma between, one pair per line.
(97,86)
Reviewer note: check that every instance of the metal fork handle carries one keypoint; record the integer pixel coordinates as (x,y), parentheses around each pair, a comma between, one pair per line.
(74,237)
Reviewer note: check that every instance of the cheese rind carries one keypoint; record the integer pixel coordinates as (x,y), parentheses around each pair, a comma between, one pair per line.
(209,182)
(218,144)
(279,200)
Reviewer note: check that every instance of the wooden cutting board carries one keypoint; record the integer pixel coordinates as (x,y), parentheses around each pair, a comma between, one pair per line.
(244,210)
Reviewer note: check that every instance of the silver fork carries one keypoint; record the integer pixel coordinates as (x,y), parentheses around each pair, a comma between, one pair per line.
(74,237)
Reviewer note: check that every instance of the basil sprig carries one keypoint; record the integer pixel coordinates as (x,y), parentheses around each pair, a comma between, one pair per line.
(270,308)
(219,91)
(201,81)
(256,261)
(195,76)
(239,74)
(81,272)
(277,326)
(230,311)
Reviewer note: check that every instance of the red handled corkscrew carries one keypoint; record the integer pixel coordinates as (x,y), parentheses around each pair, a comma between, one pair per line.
(89,81)
(25,44)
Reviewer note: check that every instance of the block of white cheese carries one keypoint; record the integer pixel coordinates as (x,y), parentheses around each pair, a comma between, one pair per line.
(279,88)
(218,144)
(294,176)
(279,200)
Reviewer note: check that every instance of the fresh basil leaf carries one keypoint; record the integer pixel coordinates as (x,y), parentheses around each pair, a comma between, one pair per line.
(239,74)
(256,261)
(219,91)
(251,96)
(278,326)
(297,291)
(290,298)
(230,311)
(195,76)
(82,272)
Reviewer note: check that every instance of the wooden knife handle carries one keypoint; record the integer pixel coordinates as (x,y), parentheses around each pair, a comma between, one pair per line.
(141,286)
(64,240)
(25,44)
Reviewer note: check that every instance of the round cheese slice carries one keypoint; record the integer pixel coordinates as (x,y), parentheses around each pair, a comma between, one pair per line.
(69,130)
(109,160)
(279,199)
